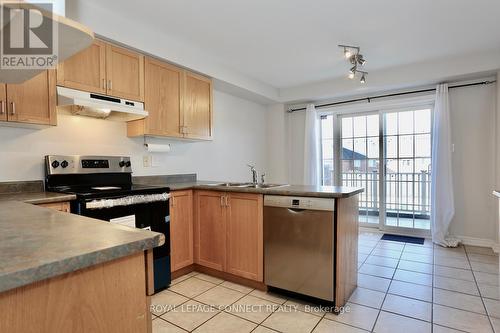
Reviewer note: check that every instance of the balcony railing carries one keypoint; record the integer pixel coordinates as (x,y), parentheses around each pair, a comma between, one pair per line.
(405,193)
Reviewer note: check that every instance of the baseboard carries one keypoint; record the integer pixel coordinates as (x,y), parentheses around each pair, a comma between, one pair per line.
(480,242)
(222,275)
(465,240)
(370,229)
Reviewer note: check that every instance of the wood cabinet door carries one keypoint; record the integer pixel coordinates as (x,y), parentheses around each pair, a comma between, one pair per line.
(85,70)
(210,229)
(244,230)
(163,98)
(197,110)
(33,101)
(181,229)
(124,73)
(3,102)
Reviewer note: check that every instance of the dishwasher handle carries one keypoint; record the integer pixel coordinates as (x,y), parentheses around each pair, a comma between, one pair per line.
(296,210)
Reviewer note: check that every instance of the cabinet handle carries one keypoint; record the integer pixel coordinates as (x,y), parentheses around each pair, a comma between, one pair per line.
(13,108)
(104,83)
(109,85)
(2,107)
(227,201)
(222,200)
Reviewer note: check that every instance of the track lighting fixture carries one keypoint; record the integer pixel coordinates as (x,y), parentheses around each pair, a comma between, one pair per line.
(356,59)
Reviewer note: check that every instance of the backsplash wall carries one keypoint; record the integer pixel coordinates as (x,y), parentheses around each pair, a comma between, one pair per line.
(239,138)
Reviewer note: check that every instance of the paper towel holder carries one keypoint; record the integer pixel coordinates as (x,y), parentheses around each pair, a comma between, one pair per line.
(156,148)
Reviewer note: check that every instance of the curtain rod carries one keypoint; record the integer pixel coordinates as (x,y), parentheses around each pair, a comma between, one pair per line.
(368,99)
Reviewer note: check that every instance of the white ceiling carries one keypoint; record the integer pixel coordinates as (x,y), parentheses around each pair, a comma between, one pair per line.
(287,43)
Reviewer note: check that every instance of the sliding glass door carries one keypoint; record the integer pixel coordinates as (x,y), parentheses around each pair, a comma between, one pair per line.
(388,153)
(407,168)
(360,159)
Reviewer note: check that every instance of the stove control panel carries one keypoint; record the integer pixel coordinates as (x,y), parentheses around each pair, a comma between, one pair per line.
(75,164)
(96,164)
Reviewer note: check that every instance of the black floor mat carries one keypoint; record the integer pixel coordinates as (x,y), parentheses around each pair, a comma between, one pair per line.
(403,239)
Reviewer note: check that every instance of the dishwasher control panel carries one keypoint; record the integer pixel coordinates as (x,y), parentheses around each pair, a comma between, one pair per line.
(326,204)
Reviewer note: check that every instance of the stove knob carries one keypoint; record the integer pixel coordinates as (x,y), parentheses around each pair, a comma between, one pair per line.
(121,164)
(64,164)
(55,164)
(128,164)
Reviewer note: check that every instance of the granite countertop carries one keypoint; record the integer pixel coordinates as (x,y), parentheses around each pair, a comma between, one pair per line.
(31,191)
(293,190)
(38,243)
(37,197)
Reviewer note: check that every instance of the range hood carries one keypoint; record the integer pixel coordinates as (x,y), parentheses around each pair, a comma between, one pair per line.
(77,102)
(71,36)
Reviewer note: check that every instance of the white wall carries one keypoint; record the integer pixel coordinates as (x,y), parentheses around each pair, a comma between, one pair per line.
(277,150)
(447,69)
(473,117)
(473,133)
(240,137)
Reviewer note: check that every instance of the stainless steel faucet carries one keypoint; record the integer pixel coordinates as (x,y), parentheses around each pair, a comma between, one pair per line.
(254,173)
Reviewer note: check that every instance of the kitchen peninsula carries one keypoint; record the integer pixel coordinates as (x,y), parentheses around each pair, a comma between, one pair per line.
(61,272)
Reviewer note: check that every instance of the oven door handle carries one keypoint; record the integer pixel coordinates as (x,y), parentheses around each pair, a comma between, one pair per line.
(127,201)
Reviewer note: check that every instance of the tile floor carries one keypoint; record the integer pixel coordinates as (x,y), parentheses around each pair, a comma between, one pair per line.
(401,288)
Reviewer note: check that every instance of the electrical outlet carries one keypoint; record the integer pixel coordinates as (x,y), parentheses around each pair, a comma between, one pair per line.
(146,161)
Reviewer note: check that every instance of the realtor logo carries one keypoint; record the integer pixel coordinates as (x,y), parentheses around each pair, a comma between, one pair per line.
(29,38)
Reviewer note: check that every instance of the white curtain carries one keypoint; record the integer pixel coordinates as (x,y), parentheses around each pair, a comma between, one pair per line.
(312,172)
(442,205)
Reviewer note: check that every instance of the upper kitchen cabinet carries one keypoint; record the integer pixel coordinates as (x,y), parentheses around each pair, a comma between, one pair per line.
(85,70)
(124,73)
(198,113)
(3,102)
(32,102)
(163,100)
(106,69)
(179,103)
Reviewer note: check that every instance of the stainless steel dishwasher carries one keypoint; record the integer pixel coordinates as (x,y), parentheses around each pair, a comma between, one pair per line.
(299,249)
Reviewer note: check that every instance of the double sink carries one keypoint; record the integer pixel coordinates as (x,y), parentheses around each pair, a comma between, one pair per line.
(247,185)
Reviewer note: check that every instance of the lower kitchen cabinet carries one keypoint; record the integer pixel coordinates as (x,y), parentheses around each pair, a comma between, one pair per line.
(228,232)
(244,231)
(210,229)
(181,229)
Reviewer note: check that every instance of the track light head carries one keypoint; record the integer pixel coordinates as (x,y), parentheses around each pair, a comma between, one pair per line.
(363,78)
(347,53)
(351,75)
(361,60)
(353,69)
